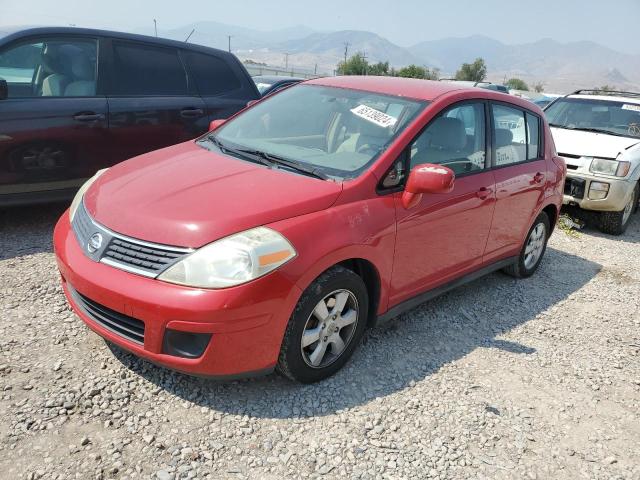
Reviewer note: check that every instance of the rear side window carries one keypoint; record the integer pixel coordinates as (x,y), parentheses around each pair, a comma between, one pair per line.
(212,75)
(533,136)
(510,135)
(147,70)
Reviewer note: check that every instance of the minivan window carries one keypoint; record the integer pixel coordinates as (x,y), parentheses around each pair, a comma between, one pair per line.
(50,68)
(212,75)
(147,70)
(338,130)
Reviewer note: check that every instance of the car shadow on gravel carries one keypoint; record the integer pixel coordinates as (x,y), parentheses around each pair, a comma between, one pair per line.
(409,349)
(28,230)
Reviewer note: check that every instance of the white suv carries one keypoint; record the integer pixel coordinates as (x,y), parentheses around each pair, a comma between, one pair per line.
(598,134)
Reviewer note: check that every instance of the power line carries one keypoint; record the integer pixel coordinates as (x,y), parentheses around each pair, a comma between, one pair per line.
(189,36)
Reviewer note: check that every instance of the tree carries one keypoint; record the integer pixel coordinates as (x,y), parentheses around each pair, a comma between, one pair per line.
(473,72)
(516,84)
(539,87)
(380,69)
(416,71)
(605,89)
(355,65)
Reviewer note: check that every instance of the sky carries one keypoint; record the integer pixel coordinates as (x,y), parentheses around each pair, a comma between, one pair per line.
(613,23)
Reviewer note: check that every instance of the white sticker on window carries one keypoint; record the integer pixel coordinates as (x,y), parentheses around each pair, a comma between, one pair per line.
(374,116)
(627,106)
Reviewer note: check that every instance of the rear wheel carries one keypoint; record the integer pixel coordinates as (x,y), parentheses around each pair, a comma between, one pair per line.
(533,250)
(615,223)
(326,326)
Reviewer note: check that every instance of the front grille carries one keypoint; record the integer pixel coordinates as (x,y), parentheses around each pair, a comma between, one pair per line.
(119,251)
(574,187)
(151,259)
(118,323)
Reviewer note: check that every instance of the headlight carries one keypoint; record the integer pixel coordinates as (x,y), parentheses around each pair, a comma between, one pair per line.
(609,167)
(232,260)
(78,198)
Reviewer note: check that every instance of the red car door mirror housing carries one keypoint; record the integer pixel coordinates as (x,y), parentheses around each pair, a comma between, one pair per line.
(427,178)
(216,123)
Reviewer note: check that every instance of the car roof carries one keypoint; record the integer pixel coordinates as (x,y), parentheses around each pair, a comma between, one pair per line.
(609,98)
(417,89)
(398,86)
(277,78)
(21,32)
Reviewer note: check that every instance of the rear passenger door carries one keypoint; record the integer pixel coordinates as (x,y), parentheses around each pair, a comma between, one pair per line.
(224,87)
(152,104)
(520,172)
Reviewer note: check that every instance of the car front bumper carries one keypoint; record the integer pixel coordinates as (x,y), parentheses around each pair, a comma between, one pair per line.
(246,322)
(576,192)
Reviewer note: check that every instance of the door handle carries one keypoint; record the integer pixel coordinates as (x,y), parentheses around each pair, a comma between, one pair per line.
(88,116)
(483,193)
(538,177)
(191,112)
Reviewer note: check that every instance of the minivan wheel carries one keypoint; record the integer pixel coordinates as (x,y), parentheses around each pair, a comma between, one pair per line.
(533,249)
(326,326)
(615,223)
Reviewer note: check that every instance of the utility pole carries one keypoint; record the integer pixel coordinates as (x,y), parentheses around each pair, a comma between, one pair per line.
(315,70)
(346,51)
(229,37)
(364,59)
(155,26)
(286,61)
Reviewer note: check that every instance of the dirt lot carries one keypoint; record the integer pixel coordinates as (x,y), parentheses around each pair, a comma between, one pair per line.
(498,379)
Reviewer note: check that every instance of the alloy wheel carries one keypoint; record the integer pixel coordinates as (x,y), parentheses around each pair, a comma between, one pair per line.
(330,328)
(535,245)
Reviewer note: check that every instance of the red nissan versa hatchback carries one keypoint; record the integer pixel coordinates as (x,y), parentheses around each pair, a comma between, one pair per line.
(277,238)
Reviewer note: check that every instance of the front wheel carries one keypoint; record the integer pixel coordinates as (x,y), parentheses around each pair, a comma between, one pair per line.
(533,250)
(326,326)
(615,223)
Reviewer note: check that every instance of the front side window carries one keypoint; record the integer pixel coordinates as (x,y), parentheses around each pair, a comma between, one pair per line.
(455,139)
(50,68)
(147,70)
(596,115)
(339,131)
(510,135)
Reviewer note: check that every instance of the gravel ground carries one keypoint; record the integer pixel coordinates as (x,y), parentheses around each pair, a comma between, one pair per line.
(498,379)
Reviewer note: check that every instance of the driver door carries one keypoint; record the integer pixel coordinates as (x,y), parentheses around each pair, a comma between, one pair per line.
(445,235)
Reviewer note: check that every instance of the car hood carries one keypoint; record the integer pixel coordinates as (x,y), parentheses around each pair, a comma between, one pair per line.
(590,144)
(188,196)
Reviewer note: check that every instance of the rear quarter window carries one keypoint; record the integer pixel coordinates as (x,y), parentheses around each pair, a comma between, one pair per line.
(212,75)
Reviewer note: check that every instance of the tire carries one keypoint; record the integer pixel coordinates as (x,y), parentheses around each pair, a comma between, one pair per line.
(526,265)
(297,360)
(615,223)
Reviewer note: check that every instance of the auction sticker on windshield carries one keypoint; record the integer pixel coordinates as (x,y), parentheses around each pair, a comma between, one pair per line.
(635,108)
(374,116)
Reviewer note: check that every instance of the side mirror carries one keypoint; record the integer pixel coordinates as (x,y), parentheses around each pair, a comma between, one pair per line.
(4,89)
(427,178)
(216,123)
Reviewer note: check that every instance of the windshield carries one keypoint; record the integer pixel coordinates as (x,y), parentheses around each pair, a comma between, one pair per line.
(337,131)
(613,117)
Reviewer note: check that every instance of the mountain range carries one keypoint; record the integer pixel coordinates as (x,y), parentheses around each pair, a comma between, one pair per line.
(559,66)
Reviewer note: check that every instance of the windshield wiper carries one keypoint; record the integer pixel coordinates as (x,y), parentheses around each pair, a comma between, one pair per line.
(245,154)
(589,129)
(599,130)
(277,160)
